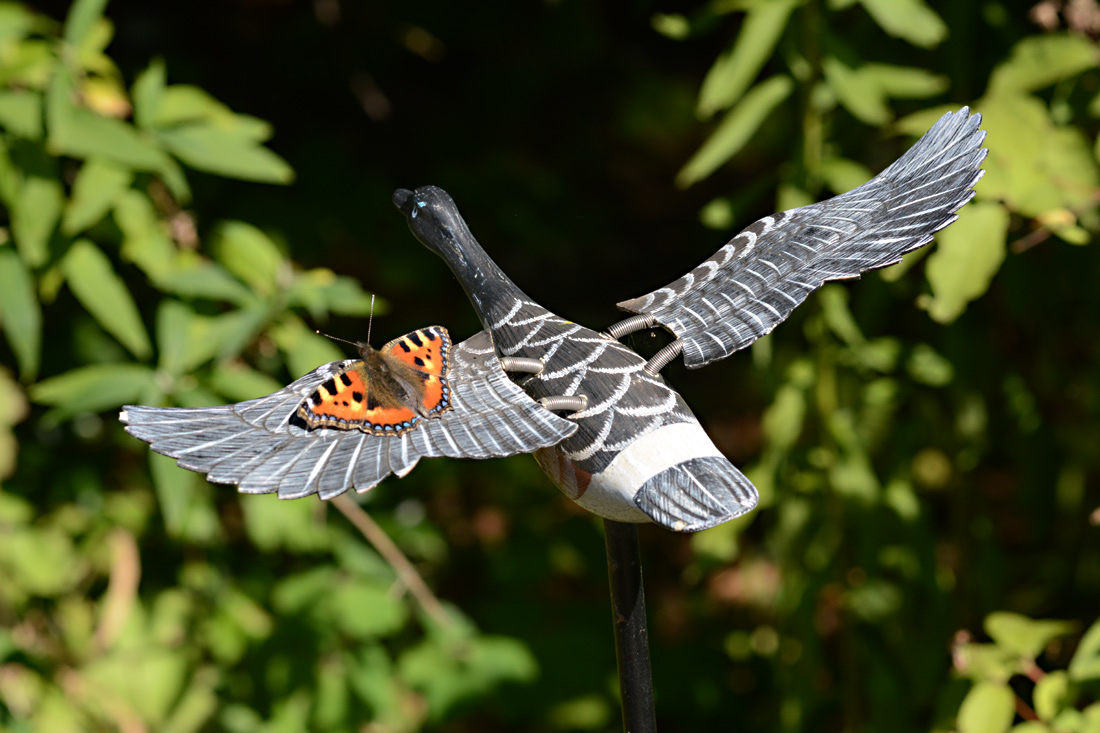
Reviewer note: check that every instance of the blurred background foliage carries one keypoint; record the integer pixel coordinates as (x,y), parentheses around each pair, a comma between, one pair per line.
(189,189)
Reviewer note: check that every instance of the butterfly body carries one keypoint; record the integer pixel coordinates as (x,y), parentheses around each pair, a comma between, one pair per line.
(387,391)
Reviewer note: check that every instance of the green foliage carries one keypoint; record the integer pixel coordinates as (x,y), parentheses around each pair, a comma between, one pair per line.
(924,442)
(1057,701)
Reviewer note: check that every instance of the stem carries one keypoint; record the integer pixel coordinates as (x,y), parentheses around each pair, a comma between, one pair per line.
(624,567)
(406,573)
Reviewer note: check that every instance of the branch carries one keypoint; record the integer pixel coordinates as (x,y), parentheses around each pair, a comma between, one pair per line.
(406,573)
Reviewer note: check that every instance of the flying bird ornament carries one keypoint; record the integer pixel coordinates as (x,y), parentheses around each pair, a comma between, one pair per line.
(599,418)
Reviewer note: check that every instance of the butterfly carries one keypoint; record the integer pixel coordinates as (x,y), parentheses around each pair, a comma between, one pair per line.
(386,392)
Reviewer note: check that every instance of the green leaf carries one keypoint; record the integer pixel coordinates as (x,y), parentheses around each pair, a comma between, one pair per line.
(1042,60)
(18,21)
(206,280)
(239,382)
(365,610)
(736,69)
(93,388)
(80,133)
(842,175)
(1024,636)
(989,707)
(905,82)
(226,152)
(1034,166)
(183,104)
(1085,664)
(304,350)
(1052,694)
(858,93)
(147,92)
(185,500)
(34,216)
(735,129)
(274,524)
(249,254)
(969,253)
(98,187)
(149,693)
(20,313)
(145,240)
(82,16)
(910,20)
(21,113)
(93,281)
(38,561)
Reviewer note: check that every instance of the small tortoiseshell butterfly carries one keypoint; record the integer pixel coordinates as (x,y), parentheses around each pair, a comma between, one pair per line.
(388,391)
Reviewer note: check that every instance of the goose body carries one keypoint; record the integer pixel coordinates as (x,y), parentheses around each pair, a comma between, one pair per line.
(601,421)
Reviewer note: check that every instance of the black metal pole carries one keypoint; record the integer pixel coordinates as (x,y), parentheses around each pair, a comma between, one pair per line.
(624,567)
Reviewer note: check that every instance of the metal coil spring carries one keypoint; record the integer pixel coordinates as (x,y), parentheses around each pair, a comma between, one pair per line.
(572,403)
(661,359)
(630,325)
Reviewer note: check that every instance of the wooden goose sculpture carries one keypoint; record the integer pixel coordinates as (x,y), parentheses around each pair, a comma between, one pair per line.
(625,445)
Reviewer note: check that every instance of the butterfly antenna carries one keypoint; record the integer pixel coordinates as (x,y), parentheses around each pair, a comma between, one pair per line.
(335,338)
(370,320)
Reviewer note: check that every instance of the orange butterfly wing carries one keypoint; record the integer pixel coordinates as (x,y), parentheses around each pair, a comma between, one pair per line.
(347,401)
(427,352)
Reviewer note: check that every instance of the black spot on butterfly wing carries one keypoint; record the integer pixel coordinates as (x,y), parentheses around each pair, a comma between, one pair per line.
(415,338)
(329,386)
(357,396)
(345,379)
(404,346)
(419,362)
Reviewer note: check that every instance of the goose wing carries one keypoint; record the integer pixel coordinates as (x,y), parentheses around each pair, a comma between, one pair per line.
(254,445)
(753,283)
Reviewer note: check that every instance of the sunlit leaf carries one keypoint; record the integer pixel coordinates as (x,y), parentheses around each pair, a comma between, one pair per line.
(249,254)
(147,91)
(98,187)
(226,152)
(1024,636)
(238,382)
(989,707)
(145,240)
(1085,664)
(1042,60)
(905,82)
(738,67)
(20,313)
(969,253)
(93,388)
(206,280)
(150,693)
(39,561)
(1034,166)
(304,349)
(185,501)
(1053,693)
(911,20)
(735,129)
(93,281)
(842,175)
(80,133)
(365,610)
(21,113)
(82,16)
(34,216)
(29,63)
(293,525)
(857,93)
